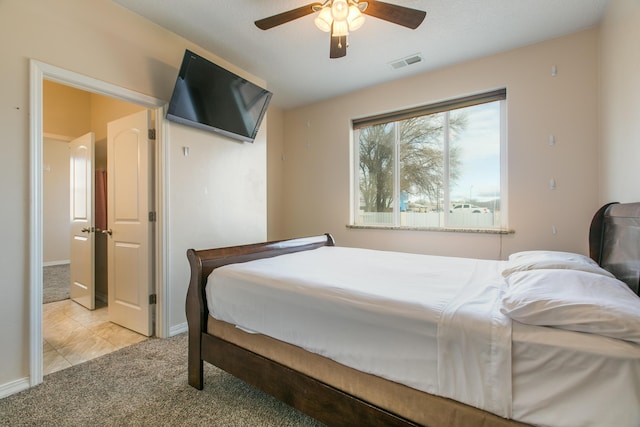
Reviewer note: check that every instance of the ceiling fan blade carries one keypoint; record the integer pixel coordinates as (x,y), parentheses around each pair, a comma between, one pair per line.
(338,47)
(284,17)
(407,17)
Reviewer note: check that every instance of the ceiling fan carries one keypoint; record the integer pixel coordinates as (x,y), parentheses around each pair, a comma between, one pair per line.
(338,17)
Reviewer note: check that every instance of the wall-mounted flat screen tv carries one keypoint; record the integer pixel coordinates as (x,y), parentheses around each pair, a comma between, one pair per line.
(209,97)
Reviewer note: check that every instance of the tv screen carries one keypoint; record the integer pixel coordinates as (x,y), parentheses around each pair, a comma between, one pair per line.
(210,97)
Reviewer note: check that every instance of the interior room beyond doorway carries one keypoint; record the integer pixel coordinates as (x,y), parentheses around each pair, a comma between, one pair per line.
(68,113)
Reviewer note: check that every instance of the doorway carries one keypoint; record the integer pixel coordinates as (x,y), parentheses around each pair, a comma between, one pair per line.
(77,323)
(39,73)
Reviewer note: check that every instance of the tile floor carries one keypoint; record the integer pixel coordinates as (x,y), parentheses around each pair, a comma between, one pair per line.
(72,335)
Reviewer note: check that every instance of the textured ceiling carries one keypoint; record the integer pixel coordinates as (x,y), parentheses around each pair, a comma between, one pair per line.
(294,58)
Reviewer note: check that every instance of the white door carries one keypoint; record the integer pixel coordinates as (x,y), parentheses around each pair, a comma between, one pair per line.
(129,203)
(82,237)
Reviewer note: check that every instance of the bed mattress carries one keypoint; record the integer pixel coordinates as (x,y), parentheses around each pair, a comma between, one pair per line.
(431,323)
(565,378)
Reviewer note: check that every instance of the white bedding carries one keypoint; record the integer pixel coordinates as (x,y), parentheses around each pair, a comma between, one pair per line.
(565,378)
(434,324)
(383,313)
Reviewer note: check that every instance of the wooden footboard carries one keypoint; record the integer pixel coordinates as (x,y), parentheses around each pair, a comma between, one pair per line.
(203,262)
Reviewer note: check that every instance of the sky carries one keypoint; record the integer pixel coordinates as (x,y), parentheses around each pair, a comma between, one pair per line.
(479,146)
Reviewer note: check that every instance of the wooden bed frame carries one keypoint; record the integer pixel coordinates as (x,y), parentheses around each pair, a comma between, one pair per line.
(324,402)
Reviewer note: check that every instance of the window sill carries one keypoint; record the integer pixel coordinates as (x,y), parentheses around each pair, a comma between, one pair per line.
(438,229)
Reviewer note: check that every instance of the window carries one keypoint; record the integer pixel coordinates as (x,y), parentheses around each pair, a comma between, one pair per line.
(437,166)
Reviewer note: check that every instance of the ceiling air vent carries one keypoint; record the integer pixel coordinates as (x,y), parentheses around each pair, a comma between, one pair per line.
(409,60)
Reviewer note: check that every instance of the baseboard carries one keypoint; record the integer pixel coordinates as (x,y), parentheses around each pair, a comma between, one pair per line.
(13,387)
(178,329)
(51,263)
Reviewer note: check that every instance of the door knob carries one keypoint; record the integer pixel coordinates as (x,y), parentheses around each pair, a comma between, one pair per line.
(86,230)
(109,232)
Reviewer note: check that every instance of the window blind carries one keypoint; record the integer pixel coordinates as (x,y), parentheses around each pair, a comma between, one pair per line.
(438,107)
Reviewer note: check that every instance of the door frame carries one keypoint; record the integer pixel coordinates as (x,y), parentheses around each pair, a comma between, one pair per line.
(39,72)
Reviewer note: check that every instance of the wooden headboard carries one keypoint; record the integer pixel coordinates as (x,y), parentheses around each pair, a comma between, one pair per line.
(614,241)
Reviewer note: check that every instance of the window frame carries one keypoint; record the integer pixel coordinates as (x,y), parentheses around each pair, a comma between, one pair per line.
(433,108)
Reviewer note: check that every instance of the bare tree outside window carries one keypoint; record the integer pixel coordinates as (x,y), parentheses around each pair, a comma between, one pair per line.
(377,145)
(421,159)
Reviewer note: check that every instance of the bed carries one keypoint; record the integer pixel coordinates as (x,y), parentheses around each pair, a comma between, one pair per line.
(328,349)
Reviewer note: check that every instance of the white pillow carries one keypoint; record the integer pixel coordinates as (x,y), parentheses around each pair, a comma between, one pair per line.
(574,300)
(538,260)
(555,255)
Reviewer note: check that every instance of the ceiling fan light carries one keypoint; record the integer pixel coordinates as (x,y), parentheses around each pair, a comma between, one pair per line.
(355,18)
(340,29)
(340,10)
(323,20)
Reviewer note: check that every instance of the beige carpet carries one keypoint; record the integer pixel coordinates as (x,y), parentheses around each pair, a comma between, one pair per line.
(55,283)
(145,385)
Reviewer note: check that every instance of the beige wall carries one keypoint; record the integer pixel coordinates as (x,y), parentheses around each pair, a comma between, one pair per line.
(66,110)
(104,41)
(217,198)
(620,102)
(276,227)
(56,247)
(317,148)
